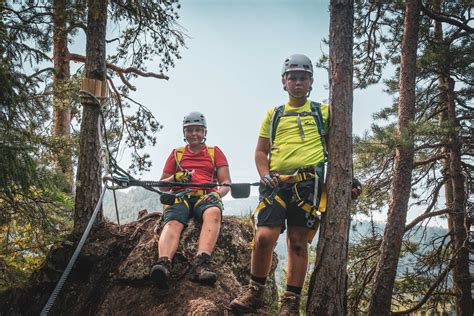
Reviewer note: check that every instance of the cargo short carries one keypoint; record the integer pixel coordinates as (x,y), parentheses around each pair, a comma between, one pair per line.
(187,207)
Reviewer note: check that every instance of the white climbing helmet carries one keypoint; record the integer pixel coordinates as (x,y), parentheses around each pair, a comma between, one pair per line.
(194,118)
(297,62)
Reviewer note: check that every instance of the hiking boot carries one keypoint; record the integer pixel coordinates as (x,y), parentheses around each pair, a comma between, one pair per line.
(290,304)
(160,273)
(250,299)
(201,271)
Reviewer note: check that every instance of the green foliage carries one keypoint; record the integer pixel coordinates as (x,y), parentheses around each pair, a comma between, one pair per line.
(33,211)
(445,57)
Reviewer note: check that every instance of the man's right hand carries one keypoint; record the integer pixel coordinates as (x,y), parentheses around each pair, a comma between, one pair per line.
(270,179)
(183,176)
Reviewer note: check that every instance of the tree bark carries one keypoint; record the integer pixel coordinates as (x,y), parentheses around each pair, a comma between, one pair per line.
(382,289)
(61,108)
(90,164)
(455,188)
(458,217)
(329,279)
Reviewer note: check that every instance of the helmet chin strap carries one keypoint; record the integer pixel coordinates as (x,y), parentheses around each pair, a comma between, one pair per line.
(299,98)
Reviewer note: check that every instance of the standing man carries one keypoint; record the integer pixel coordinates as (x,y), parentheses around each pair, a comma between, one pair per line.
(196,163)
(290,157)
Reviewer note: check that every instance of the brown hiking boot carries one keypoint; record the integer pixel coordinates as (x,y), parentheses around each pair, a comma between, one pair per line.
(160,273)
(201,270)
(290,304)
(250,299)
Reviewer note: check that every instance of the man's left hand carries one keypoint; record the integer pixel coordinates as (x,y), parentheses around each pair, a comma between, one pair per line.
(356,188)
(212,197)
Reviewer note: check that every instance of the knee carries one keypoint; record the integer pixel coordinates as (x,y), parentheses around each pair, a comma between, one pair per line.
(299,248)
(264,242)
(174,226)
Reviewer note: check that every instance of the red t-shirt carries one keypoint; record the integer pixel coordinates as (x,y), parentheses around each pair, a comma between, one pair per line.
(200,162)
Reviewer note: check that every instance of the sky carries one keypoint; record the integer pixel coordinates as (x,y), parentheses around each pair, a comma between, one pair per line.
(230,71)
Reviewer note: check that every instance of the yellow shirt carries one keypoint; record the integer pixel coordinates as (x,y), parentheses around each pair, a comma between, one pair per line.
(290,150)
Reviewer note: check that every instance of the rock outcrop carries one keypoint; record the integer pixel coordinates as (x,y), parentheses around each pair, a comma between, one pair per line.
(111,275)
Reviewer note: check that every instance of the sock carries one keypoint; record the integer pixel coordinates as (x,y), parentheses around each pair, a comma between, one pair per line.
(294,289)
(259,280)
(202,251)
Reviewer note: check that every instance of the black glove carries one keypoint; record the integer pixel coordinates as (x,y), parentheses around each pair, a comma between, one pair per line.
(212,197)
(270,180)
(356,188)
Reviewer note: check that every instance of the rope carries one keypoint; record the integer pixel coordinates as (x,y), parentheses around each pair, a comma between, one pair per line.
(68,269)
(116,208)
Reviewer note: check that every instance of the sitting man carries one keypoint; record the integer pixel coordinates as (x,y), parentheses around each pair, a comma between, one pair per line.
(196,163)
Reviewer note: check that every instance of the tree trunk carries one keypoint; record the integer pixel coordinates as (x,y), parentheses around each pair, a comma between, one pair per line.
(385,274)
(61,108)
(329,279)
(454,189)
(90,164)
(458,216)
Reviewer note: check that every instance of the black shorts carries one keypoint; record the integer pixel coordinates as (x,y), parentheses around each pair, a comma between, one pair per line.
(189,207)
(289,205)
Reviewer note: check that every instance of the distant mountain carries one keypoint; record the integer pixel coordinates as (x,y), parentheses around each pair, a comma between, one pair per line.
(130,202)
(134,200)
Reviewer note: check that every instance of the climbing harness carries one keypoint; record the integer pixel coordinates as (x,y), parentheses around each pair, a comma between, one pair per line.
(179,153)
(318,205)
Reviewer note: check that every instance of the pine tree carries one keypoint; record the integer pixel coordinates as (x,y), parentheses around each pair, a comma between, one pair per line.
(432,129)
(329,281)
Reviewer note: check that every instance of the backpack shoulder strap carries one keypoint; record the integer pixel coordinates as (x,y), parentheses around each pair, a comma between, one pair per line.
(178,156)
(212,152)
(275,120)
(318,117)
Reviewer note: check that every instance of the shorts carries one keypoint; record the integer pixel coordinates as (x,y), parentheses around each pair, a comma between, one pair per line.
(187,207)
(290,206)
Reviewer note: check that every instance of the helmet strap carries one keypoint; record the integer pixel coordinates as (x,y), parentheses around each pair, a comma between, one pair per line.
(299,98)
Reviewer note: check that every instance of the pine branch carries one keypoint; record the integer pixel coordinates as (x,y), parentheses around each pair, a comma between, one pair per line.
(466,117)
(429,292)
(73,26)
(429,160)
(424,216)
(120,71)
(444,18)
(41,71)
(436,194)
(428,146)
